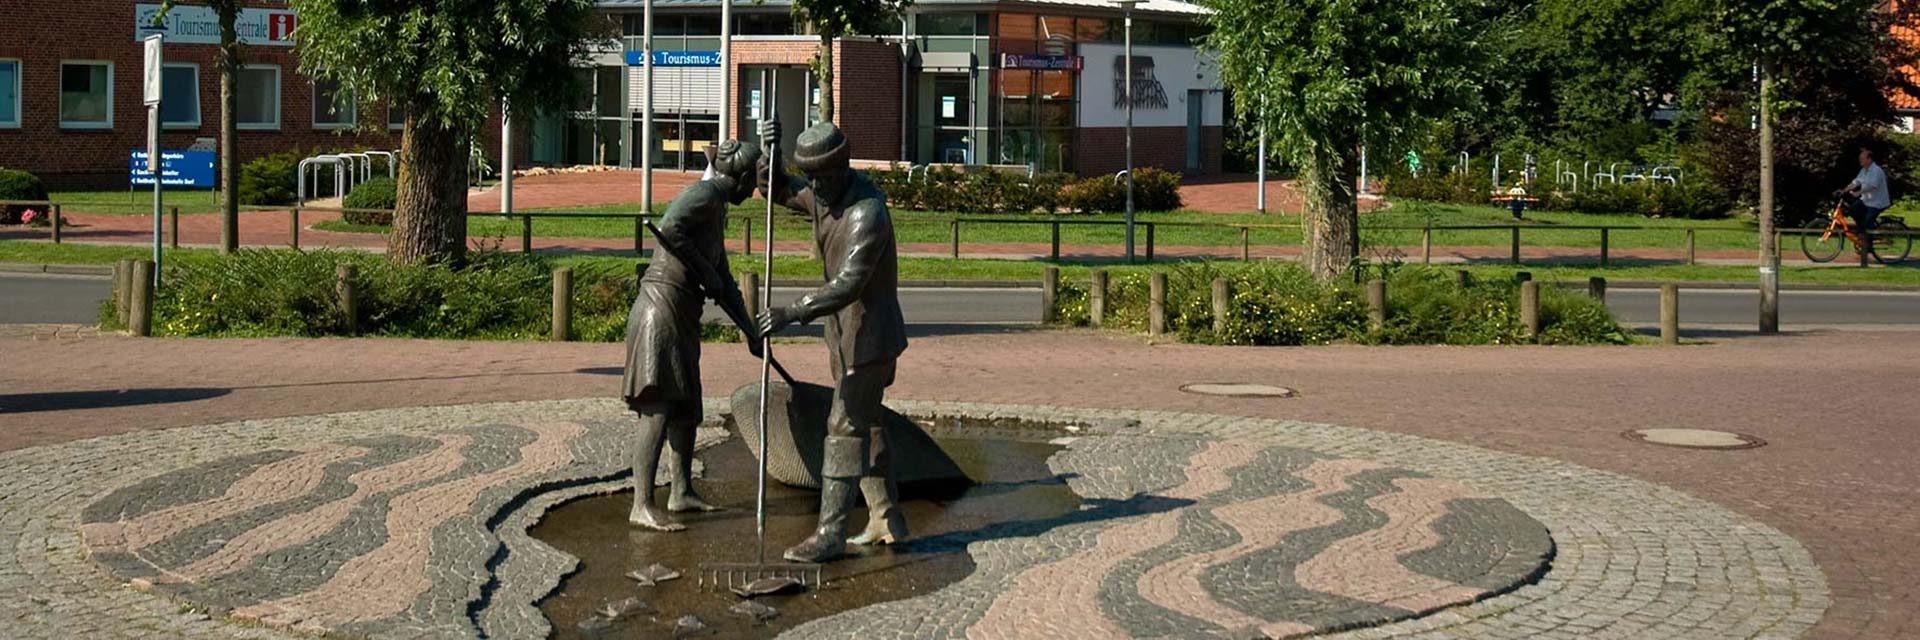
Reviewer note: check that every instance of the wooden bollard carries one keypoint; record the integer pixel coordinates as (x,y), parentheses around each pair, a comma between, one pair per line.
(1426,246)
(1246,245)
(1149,242)
(1462,278)
(122,289)
(293,227)
(140,304)
(1597,288)
(54,210)
(1523,276)
(1049,294)
(956,238)
(750,292)
(1516,245)
(1670,313)
(1056,241)
(526,233)
(746,237)
(1157,304)
(1530,307)
(1690,255)
(1377,304)
(1603,246)
(348,295)
(562,304)
(173,226)
(1097,299)
(1219,305)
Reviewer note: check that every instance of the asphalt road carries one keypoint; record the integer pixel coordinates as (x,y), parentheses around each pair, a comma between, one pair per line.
(74,299)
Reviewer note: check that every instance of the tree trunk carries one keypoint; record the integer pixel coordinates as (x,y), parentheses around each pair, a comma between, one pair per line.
(825,76)
(430,200)
(1769,250)
(229,131)
(1332,217)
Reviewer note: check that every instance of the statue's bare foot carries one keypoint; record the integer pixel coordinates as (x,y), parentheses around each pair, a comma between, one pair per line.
(651,517)
(688,501)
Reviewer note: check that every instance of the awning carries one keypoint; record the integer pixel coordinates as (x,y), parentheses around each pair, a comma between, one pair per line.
(946,61)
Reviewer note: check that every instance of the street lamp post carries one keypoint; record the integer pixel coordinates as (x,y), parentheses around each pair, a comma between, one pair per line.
(646,109)
(1126,7)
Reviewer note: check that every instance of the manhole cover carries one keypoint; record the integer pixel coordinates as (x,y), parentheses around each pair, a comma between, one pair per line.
(1696,438)
(1238,390)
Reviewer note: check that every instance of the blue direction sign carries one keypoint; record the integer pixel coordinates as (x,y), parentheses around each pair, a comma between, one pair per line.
(676,58)
(177,169)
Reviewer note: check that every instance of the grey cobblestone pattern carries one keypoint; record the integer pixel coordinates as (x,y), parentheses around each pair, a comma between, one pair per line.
(1635,560)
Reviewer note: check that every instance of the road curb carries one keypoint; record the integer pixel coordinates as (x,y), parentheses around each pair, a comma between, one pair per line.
(57,269)
(1748,286)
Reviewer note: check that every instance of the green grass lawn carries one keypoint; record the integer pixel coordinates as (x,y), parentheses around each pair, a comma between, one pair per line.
(136,202)
(1172,228)
(925,269)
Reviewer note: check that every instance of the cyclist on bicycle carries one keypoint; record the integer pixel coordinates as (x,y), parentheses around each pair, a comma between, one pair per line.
(1867,194)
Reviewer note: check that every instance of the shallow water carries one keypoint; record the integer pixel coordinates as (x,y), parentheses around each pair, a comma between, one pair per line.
(1007,461)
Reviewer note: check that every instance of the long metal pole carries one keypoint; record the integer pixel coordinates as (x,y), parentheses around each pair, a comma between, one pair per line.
(906,58)
(646,109)
(1129,88)
(506,159)
(1260,199)
(766,342)
(158,165)
(726,70)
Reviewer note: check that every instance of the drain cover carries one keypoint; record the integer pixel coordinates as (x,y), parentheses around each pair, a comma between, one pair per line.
(1238,390)
(1696,438)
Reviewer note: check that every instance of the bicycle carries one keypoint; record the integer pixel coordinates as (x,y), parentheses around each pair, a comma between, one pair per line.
(1826,237)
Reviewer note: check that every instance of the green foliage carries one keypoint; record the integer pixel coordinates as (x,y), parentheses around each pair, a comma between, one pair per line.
(1439,186)
(1095,195)
(1282,304)
(370,202)
(19,185)
(271,179)
(993,191)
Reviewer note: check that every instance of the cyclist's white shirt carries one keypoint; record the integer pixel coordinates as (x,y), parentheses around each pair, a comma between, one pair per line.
(1872,183)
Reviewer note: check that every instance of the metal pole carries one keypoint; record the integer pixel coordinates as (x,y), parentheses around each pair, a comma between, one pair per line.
(906,58)
(506,159)
(1363,169)
(1129,89)
(726,67)
(766,342)
(1260,179)
(153,135)
(646,108)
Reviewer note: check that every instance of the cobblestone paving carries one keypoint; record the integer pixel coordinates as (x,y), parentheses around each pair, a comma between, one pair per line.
(411,523)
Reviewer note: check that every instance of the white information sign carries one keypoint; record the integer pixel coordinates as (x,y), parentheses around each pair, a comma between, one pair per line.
(194,24)
(150,79)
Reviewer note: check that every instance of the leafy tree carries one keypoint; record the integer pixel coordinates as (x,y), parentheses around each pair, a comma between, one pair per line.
(446,64)
(1326,76)
(832,19)
(1779,37)
(228,59)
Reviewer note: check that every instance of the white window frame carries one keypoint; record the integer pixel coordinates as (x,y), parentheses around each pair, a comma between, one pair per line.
(97,126)
(278,90)
(19,72)
(353,102)
(198,119)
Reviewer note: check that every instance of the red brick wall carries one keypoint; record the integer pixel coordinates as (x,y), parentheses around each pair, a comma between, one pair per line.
(866,86)
(1103,151)
(103,30)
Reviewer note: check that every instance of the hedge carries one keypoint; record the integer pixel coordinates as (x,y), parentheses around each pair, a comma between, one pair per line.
(370,202)
(19,185)
(1005,192)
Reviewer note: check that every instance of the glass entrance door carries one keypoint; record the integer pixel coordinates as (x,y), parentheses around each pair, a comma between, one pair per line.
(1196,117)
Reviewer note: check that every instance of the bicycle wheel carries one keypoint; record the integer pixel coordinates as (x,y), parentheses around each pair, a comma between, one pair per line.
(1891,249)
(1819,245)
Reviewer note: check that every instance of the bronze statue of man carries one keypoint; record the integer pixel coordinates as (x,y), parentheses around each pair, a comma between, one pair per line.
(864,329)
(662,381)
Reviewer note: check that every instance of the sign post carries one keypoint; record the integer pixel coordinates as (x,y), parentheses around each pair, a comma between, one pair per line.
(151,84)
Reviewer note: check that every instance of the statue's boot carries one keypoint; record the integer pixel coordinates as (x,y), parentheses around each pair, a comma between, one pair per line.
(841,467)
(646,461)
(681,498)
(885,523)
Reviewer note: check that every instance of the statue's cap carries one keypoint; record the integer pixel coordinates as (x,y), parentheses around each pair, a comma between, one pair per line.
(822,146)
(732,158)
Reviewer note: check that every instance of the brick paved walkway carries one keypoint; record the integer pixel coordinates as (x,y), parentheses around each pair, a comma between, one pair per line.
(1835,477)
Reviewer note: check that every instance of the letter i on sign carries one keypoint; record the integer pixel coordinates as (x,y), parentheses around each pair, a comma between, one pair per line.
(280,27)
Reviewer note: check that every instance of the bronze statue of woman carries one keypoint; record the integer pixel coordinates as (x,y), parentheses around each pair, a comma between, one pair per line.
(662,381)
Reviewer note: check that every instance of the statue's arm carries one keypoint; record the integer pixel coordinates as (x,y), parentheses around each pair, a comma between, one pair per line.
(870,235)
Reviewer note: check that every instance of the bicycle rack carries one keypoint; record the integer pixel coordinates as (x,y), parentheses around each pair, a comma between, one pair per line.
(360,166)
(1465,165)
(390,156)
(1122,174)
(1496,171)
(341,167)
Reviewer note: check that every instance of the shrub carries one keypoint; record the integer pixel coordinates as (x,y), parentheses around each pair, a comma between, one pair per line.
(1098,194)
(1438,186)
(993,191)
(271,179)
(370,202)
(1281,304)
(19,185)
(1155,189)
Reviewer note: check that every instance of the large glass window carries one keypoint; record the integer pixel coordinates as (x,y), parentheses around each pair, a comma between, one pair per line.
(764,24)
(333,105)
(180,96)
(9,93)
(86,95)
(258,91)
(945,24)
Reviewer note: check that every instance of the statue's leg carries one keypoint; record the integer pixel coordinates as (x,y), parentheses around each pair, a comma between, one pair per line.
(646,461)
(680,433)
(843,462)
(885,523)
